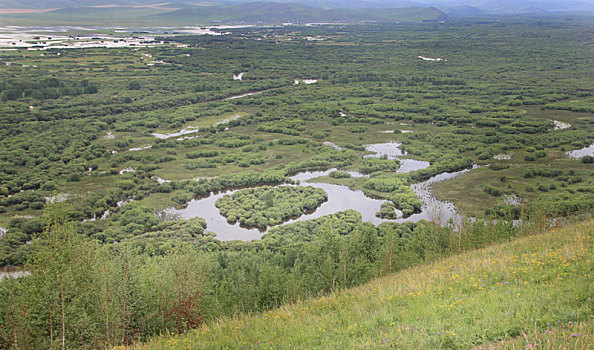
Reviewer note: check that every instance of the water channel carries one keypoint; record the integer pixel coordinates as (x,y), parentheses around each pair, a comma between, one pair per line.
(339,198)
(582,152)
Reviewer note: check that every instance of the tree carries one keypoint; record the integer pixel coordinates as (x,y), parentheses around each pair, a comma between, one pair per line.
(57,305)
(133,85)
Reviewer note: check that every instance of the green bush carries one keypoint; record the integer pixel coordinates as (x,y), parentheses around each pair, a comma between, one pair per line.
(339,174)
(268,206)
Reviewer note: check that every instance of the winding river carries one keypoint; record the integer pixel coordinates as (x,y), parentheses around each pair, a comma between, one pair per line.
(339,198)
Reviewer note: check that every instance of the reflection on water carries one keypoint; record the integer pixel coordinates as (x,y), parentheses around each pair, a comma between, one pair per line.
(73,37)
(340,198)
(392,150)
(243,95)
(434,209)
(12,272)
(389,149)
(185,131)
(580,153)
(308,175)
(409,165)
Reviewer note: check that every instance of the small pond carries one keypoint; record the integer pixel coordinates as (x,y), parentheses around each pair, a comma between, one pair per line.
(392,151)
(185,131)
(582,152)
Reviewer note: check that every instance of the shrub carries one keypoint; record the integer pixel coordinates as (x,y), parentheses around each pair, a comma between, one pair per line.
(493,191)
(339,174)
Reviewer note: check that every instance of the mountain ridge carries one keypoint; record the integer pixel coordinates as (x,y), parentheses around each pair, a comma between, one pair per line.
(260,12)
(293,12)
(473,7)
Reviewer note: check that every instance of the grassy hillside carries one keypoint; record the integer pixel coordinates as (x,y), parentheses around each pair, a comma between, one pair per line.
(535,292)
(84,16)
(186,14)
(274,12)
(43,4)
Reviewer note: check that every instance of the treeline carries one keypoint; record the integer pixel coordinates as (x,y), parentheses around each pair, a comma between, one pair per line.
(83,295)
(59,111)
(41,89)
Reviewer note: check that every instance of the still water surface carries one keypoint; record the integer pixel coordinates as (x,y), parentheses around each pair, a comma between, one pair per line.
(339,198)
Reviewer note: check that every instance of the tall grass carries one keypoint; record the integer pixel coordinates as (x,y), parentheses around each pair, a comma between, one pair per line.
(534,292)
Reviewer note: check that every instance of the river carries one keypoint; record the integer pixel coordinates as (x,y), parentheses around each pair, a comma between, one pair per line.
(339,198)
(582,152)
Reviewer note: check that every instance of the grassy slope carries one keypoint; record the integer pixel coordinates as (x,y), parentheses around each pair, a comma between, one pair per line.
(84,16)
(282,12)
(535,292)
(261,12)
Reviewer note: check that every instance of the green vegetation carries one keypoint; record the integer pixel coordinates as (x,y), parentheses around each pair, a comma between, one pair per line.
(77,284)
(186,13)
(82,122)
(399,190)
(49,88)
(268,206)
(123,135)
(534,292)
(339,174)
(387,211)
(372,165)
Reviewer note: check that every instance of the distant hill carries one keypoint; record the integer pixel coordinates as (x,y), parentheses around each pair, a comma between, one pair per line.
(459,7)
(183,13)
(163,12)
(44,4)
(275,12)
(508,7)
(463,11)
(92,16)
(531,6)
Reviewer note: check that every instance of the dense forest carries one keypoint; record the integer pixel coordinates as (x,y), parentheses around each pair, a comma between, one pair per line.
(102,148)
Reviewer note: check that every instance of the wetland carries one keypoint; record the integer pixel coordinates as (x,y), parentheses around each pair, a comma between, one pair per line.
(151,173)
